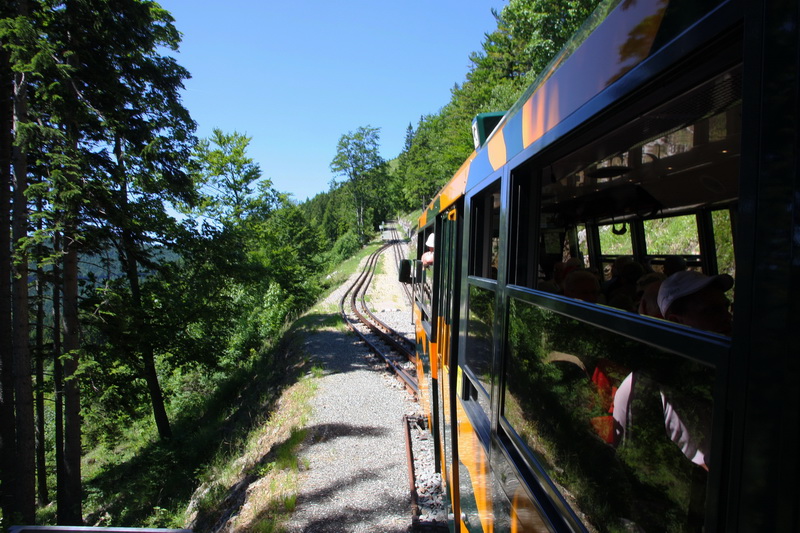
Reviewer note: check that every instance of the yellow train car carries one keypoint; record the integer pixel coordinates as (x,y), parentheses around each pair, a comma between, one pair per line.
(575,378)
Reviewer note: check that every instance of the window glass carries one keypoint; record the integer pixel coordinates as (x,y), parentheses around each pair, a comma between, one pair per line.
(638,191)
(480,339)
(447,264)
(425,272)
(723,238)
(672,236)
(621,428)
(615,239)
(485,234)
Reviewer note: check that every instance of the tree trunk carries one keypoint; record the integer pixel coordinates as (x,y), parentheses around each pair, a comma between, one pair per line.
(143,343)
(70,497)
(8,476)
(129,258)
(41,462)
(69,502)
(23,382)
(58,375)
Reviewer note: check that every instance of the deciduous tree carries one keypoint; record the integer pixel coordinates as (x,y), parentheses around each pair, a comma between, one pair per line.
(358,161)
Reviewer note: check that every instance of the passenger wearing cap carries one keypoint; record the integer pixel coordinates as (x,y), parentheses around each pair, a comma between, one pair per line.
(696,300)
(427,257)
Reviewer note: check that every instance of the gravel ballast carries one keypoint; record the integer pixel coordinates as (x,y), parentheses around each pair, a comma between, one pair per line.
(355,476)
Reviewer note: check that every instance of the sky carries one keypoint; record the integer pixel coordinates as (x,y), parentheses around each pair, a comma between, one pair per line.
(296,75)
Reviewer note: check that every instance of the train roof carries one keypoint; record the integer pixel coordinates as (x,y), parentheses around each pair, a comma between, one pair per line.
(617,38)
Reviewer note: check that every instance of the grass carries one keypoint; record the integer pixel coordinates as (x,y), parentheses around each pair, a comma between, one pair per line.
(266,474)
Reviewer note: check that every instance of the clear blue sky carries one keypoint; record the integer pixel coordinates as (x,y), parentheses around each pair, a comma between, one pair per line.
(296,75)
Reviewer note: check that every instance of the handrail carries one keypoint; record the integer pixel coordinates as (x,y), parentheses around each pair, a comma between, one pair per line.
(90,529)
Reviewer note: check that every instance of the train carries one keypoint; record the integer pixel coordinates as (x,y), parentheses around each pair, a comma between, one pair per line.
(666,132)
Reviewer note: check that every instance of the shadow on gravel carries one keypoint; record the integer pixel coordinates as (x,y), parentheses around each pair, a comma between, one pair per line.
(357,515)
(326,432)
(337,351)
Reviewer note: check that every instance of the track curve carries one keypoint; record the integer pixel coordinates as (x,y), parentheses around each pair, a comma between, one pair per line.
(394,349)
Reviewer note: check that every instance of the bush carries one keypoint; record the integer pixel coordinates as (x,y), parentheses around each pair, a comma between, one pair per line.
(346,246)
(264,315)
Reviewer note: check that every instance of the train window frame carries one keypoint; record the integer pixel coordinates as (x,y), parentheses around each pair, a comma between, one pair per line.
(427,305)
(657,334)
(477,399)
(485,216)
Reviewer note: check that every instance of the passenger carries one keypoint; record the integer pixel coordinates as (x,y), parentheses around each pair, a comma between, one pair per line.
(427,257)
(648,303)
(647,294)
(623,294)
(687,421)
(554,283)
(698,301)
(570,265)
(582,285)
(674,264)
(616,270)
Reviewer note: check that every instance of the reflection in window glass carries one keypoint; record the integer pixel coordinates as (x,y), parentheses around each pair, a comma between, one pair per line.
(424,275)
(723,239)
(621,428)
(672,236)
(485,234)
(618,243)
(480,337)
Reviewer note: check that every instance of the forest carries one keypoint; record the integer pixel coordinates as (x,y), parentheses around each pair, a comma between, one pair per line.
(150,280)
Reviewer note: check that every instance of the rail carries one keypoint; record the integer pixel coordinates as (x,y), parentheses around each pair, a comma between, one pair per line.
(380,333)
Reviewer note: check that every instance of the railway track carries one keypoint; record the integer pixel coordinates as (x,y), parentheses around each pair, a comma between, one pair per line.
(395,350)
(398,256)
(399,355)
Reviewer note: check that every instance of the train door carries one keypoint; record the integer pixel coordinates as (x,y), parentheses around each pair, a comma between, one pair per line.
(436,286)
(449,227)
(475,372)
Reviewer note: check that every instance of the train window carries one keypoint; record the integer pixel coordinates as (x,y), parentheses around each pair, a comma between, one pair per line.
(621,428)
(723,237)
(559,249)
(636,192)
(485,243)
(425,273)
(480,340)
(660,232)
(615,239)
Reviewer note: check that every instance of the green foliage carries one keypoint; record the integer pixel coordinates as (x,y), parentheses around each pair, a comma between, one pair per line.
(723,238)
(229,181)
(358,161)
(346,246)
(267,312)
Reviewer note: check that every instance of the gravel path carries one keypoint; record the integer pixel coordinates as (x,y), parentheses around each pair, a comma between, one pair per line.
(356,478)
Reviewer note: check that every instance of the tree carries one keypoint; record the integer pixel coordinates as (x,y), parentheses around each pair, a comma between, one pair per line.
(289,251)
(227,178)
(23,383)
(358,160)
(8,475)
(105,127)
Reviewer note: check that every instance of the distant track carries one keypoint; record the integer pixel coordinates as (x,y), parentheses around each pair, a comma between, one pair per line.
(399,255)
(395,350)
